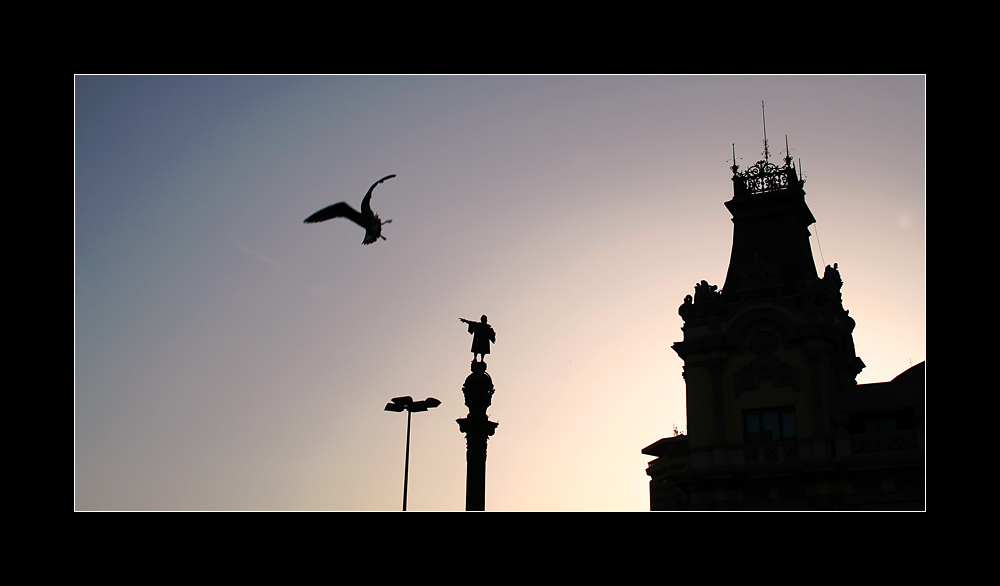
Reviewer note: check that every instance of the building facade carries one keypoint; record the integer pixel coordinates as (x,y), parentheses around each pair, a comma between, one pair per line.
(775,417)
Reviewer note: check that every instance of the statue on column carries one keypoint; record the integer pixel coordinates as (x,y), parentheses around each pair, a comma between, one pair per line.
(477,427)
(482,335)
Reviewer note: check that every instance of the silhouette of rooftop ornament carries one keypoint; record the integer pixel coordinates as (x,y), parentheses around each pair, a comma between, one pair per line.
(366,218)
(765,176)
(707,300)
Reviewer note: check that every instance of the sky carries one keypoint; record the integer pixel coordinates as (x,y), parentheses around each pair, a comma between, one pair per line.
(228,356)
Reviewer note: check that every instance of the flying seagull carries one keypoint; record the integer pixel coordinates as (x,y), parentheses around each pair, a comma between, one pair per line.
(367,219)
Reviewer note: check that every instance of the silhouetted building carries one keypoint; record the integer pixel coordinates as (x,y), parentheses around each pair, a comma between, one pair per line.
(776,419)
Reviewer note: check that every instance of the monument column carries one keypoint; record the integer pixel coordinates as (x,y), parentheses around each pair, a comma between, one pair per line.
(477,427)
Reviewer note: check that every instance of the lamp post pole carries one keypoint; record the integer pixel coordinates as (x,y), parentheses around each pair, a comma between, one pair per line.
(406,466)
(397,405)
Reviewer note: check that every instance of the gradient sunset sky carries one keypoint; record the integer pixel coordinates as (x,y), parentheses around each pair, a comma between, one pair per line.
(229,357)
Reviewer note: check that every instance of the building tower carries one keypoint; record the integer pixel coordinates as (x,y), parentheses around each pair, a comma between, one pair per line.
(774,412)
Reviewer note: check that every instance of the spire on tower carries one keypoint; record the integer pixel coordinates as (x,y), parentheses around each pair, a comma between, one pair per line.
(766,152)
(765,176)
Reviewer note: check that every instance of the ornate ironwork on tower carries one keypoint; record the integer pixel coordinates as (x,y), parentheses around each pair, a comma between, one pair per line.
(765,176)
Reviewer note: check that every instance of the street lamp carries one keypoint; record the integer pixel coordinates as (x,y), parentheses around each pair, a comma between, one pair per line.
(398,405)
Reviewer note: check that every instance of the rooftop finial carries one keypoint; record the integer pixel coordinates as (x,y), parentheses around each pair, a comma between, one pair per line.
(765,176)
(767,153)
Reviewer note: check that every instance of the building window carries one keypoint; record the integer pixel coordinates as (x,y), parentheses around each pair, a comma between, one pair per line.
(883,422)
(762,425)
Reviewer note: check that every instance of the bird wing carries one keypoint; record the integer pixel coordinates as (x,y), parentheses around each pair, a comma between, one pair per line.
(337,210)
(366,202)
